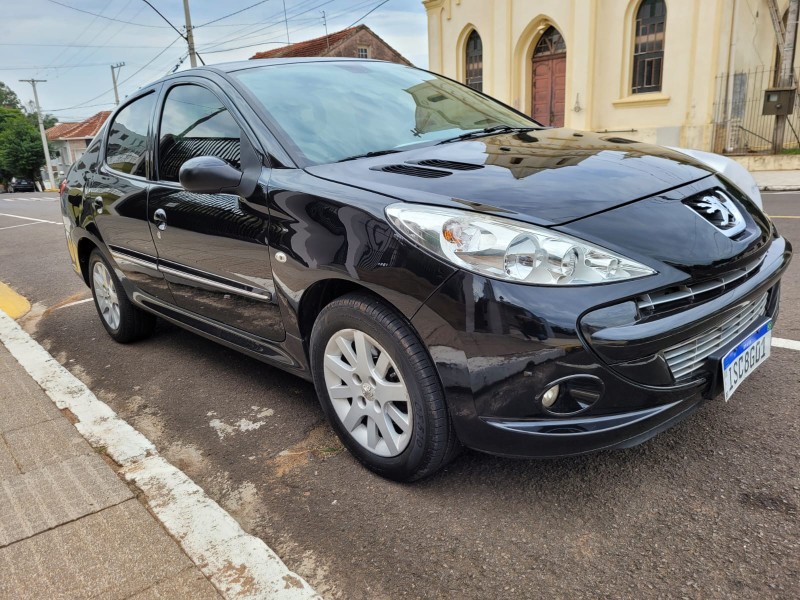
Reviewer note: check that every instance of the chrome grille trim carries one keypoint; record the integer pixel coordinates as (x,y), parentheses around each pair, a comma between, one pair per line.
(689,293)
(688,357)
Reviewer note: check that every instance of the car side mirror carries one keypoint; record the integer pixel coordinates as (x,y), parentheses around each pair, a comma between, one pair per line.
(209,175)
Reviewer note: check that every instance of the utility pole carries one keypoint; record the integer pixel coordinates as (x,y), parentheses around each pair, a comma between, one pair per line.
(325,22)
(114,70)
(189,34)
(286,20)
(45,147)
(786,73)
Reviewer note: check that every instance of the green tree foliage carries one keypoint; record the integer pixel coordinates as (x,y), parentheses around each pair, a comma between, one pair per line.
(20,143)
(8,99)
(48,119)
(20,149)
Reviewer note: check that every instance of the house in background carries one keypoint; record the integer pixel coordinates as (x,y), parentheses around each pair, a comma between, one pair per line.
(673,72)
(354,42)
(70,140)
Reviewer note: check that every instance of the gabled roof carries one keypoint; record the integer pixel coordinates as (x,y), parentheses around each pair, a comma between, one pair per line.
(316,47)
(57,130)
(84,130)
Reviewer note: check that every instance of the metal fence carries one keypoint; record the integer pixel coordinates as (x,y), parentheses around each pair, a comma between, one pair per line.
(739,126)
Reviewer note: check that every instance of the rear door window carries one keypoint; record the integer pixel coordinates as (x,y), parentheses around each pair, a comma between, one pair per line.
(194,122)
(126,148)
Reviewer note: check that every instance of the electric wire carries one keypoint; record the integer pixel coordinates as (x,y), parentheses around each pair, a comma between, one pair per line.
(103,17)
(230,14)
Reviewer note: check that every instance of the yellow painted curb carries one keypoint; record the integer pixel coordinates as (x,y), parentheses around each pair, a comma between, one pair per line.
(12,303)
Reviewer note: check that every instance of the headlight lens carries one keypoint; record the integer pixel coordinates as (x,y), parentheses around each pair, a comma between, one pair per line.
(510,250)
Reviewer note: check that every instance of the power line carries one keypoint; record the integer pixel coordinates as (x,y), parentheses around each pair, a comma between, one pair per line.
(231,14)
(255,32)
(368,14)
(70,45)
(52,110)
(178,31)
(52,68)
(103,17)
(239,34)
(142,68)
(277,23)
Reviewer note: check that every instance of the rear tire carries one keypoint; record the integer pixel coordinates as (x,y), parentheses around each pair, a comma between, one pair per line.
(123,321)
(380,390)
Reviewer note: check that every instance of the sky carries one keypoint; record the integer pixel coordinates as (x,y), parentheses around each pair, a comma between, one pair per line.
(73,50)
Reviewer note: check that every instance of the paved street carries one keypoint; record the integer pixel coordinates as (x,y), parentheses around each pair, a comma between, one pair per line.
(708,509)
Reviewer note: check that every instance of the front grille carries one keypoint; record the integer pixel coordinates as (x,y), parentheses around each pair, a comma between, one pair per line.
(684,295)
(688,358)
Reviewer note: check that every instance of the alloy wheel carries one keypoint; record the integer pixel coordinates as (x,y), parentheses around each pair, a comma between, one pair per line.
(367,392)
(105,292)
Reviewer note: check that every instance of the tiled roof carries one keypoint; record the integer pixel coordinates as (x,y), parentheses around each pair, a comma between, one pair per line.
(57,130)
(83,130)
(316,47)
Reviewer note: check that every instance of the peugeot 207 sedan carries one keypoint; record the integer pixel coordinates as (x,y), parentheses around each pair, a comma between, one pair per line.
(445,270)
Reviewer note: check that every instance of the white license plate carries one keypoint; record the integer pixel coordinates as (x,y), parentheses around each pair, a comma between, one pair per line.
(740,362)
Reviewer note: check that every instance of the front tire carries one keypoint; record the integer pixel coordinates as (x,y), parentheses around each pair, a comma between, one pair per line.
(380,389)
(123,321)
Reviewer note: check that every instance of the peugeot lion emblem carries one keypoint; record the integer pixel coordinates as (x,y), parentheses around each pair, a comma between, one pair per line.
(719,210)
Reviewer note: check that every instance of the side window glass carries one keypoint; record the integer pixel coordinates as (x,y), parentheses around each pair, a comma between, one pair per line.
(127,137)
(195,123)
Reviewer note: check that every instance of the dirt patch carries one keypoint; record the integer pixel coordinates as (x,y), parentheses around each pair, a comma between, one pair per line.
(320,442)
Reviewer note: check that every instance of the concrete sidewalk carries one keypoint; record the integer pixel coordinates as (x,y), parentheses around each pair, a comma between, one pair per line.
(69,526)
(777,181)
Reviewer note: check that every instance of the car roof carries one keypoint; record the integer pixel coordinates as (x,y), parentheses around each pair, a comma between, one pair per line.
(241,65)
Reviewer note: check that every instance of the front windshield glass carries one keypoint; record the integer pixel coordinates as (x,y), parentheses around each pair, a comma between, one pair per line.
(337,110)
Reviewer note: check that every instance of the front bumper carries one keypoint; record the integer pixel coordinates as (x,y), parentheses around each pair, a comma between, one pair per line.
(498,346)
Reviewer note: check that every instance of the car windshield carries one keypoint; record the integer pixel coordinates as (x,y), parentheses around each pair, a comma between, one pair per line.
(336,110)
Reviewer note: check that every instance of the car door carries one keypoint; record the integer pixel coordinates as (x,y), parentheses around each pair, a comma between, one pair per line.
(212,248)
(116,195)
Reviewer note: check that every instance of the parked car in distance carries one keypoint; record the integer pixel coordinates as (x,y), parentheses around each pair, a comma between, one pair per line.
(445,270)
(20,184)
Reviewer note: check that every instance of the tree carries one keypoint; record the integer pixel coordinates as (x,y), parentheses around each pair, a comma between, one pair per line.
(48,119)
(20,148)
(8,98)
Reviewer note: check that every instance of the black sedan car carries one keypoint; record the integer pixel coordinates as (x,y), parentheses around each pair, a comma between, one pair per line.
(445,270)
(20,184)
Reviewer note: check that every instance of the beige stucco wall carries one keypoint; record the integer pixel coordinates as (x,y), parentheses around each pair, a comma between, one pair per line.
(599,38)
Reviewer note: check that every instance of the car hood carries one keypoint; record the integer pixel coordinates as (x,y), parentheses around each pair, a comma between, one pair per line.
(546,177)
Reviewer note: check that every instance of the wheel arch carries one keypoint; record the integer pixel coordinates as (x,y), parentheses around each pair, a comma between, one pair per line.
(85,247)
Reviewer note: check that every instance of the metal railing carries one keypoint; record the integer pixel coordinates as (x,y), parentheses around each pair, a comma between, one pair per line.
(739,127)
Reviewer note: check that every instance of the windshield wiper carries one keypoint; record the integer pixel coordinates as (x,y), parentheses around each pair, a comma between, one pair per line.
(486,131)
(369,154)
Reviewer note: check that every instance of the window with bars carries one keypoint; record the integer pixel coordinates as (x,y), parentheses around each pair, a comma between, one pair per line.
(648,46)
(475,61)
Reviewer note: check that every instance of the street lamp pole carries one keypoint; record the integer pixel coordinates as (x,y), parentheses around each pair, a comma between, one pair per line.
(45,147)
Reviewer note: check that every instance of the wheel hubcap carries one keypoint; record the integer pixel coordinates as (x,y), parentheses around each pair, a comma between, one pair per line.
(367,392)
(105,292)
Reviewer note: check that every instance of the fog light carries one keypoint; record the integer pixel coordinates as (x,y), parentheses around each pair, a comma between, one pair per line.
(550,396)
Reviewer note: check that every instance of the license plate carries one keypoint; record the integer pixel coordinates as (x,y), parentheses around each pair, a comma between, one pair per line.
(740,362)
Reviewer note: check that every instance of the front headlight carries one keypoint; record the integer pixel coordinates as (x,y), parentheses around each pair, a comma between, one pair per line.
(510,250)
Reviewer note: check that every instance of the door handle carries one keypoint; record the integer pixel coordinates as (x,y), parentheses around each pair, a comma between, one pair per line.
(160,219)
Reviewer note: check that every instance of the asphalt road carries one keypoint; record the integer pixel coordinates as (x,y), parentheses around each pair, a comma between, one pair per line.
(708,509)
